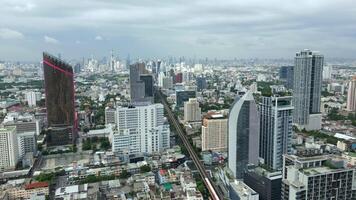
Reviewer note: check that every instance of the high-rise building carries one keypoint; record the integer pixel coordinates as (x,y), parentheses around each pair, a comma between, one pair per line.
(59,88)
(266,183)
(286,74)
(307,89)
(317,177)
(141,84)
(27,143)
(183,96)
(201,83)
(327,72)
(23,123)
(140,129)
(214,132)
(192,111)
(31,98)
(276,128)
(351,95)
(110,116)
(8,148)
(148,81)
(243,132)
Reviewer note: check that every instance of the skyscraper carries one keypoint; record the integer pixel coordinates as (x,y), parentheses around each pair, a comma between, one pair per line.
(243,143)
(307,89)
(148,81)
(275,129)
(141,86)
(59,88)
(351,95)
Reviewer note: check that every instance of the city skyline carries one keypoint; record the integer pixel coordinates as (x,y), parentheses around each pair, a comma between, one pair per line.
(159,29)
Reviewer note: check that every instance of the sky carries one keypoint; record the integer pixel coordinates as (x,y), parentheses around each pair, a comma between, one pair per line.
(191,28)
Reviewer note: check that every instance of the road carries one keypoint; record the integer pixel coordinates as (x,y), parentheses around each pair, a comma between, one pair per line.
(214,192)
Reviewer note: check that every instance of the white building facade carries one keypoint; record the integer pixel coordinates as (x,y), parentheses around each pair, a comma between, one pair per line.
(8,148)
(140,129)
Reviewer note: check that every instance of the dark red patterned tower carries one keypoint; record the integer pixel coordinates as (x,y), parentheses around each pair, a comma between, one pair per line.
(59,88)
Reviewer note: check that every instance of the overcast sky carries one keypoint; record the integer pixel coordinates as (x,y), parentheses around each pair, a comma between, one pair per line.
(159,28)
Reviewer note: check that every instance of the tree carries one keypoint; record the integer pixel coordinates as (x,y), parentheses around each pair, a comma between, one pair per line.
(124,174)
(104,143)
(145,168)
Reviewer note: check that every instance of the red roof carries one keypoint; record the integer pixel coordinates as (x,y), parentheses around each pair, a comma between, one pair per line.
(36,185)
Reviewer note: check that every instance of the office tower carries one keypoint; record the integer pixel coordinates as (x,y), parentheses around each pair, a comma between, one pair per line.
(267,184)
(243,143)
(138,86)
(140,129)
(148,81)
(276,129)
(192,111)
(31,98)
(8,148)
(183,96)
(59,88)
(327,72)
(307,89)
(286,75)
(77,68)
(214,132)
(201,83)
(158,66)
(238,190)
(317,177)
(27,143)
(351,95)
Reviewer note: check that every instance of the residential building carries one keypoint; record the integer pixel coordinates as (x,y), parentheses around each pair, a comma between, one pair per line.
(351,95)
(8,148)
(27,143)
(276,129)
(140,129)
(214,132)
(307,89)
(243,142)
(192,111)
(110,116)
(317,177)
(31,98)
(327,72)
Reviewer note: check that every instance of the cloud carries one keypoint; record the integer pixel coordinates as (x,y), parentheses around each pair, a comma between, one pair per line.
(50,40)
(98,37)
(255,28)
(6,33)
